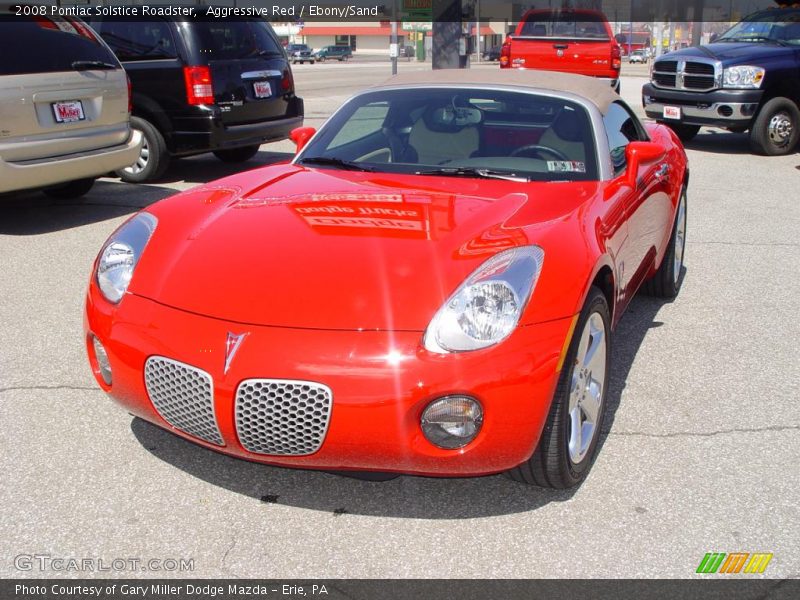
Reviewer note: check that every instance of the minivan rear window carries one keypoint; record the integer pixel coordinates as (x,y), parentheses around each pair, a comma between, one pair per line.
(227,40)
(138,40)
(48,44)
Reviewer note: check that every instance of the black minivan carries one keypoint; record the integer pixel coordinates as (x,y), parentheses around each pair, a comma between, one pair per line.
(202,85)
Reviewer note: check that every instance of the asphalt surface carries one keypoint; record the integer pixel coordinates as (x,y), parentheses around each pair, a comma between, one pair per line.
(699,454)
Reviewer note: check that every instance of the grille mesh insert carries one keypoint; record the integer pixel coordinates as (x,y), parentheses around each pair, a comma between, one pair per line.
(282,417)
(183,395)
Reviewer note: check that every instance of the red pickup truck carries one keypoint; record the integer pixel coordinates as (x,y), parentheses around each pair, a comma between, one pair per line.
(570,40)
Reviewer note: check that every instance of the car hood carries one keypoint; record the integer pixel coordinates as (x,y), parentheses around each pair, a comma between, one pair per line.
(732,52)
(313,248)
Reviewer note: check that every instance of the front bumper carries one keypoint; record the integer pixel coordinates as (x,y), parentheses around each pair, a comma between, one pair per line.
(380,383)
(44,172)
(718,108)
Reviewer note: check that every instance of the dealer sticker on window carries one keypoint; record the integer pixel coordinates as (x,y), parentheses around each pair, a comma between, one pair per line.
(566,166)
(672,112)
(67,112)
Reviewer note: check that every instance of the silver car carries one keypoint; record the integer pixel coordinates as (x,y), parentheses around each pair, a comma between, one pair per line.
(64,100)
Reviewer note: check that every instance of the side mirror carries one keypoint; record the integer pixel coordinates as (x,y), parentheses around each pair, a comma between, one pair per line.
(300,136)
(637,153)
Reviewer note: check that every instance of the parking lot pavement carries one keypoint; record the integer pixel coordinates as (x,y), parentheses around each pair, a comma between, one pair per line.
(699,453)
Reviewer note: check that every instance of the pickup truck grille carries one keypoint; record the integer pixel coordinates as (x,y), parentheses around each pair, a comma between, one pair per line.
(694,75)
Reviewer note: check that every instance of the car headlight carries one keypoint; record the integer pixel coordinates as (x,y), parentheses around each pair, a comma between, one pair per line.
(742,77)
(121,253)
(486,308)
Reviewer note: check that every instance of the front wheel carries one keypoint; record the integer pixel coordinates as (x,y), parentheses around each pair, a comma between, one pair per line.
(777,128)
(569,439)
(236,155)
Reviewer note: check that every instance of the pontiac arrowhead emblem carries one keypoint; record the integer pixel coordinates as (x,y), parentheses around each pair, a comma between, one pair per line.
(231,346)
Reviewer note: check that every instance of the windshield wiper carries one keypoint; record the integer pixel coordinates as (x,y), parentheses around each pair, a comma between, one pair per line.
(265,53)
(475,172)
(335,162)
(89,65)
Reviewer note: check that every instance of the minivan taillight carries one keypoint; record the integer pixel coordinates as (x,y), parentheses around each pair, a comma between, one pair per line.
(130,94)
(199,87)
(287,81)
(616,57)
(505,54)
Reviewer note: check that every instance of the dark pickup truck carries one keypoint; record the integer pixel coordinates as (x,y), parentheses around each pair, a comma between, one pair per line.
(748,79)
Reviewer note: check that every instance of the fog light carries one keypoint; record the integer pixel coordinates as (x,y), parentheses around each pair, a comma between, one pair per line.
(102,360)
(452,421)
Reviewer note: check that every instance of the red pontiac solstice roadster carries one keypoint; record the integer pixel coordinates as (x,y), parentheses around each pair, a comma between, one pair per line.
(431,285)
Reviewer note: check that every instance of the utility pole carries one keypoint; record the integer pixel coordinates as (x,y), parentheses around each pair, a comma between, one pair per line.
(393,50)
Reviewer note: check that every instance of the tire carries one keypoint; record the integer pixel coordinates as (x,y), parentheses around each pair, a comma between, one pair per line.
(563,459)
(666,282)
(776,129)
(73,189)
(237,155)
(154,158)
(684,132)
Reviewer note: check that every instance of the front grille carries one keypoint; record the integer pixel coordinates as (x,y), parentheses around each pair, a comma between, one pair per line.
(697,68)
(183,395)
(693,82)
(667,66)
(685,75)
(282,417)
(664,80)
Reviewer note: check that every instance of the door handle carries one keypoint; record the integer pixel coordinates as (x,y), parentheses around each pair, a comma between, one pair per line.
(662,172)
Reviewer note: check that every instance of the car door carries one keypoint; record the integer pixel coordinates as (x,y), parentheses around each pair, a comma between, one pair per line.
(646,206)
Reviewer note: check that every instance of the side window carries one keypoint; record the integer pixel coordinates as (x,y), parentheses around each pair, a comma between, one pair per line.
(621,128)
(138,40)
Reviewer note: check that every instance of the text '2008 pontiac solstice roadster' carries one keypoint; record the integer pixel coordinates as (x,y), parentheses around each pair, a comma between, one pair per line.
(429,287)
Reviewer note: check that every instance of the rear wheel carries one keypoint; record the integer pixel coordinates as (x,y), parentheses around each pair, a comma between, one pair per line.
(235,155)
(666,283)
(684,132)
(569,439)
(73,189)
(776,130)
(153,157)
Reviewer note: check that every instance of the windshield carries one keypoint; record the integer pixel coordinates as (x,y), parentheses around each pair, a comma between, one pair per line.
(781,26)
(469,132)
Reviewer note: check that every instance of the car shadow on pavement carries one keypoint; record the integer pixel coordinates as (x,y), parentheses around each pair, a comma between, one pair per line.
(639,318)
(401,497)
(207,167)
(33,213)
(404,496)
(719,141)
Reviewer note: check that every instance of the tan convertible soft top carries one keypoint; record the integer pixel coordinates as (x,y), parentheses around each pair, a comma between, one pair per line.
(594,90)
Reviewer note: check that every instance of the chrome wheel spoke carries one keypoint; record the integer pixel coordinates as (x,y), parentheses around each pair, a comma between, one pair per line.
(591,402)
(587,387)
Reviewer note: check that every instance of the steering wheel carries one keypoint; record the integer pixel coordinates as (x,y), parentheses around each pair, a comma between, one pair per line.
(539,148)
